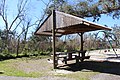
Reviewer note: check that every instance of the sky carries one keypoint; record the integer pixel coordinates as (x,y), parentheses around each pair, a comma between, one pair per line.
(108,20)
(35,11)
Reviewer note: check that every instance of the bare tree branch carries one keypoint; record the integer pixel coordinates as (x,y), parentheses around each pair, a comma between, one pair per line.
(14,21)
(45,12)
(3,13)
(17,25)
(21,8)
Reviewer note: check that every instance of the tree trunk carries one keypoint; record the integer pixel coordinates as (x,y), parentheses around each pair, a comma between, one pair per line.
(18,43)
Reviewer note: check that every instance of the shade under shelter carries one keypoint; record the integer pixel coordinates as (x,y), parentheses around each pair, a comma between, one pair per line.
(59,23)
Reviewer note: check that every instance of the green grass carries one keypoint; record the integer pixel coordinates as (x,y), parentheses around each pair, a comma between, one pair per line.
(10,68)
(7,69)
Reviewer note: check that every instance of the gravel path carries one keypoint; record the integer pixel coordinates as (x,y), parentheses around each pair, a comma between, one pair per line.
(25,78)
(104,76)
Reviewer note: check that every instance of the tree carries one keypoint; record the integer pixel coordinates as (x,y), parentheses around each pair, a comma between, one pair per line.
(4,13)
(88,8)
(116,32)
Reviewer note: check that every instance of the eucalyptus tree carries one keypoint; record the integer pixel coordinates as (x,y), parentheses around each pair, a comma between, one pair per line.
(88,8)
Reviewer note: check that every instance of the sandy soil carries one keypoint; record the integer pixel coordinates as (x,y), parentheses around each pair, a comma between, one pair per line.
(105,55)
(102,56)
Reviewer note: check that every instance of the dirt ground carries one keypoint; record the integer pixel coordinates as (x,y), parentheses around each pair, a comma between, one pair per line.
(104,62)
(112,60)
(104,76)
(105,55)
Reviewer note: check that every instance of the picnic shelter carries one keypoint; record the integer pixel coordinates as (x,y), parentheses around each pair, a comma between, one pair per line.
(58,24)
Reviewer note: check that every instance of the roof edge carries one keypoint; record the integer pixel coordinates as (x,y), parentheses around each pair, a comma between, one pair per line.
(90,22)
(35,33)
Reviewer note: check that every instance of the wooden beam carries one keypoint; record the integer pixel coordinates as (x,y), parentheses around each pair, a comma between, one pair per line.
(81,36)
(53,36)
(82,41)
(48,34)
(83,54)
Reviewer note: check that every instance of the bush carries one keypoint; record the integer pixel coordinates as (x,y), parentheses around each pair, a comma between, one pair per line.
(5,55)
(38,53)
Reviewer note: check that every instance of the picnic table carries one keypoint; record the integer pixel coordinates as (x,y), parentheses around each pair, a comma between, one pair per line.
(73,55)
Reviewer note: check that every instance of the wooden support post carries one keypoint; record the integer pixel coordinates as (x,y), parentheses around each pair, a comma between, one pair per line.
(81,41)
(81,36)
(83,54)
(53,44)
